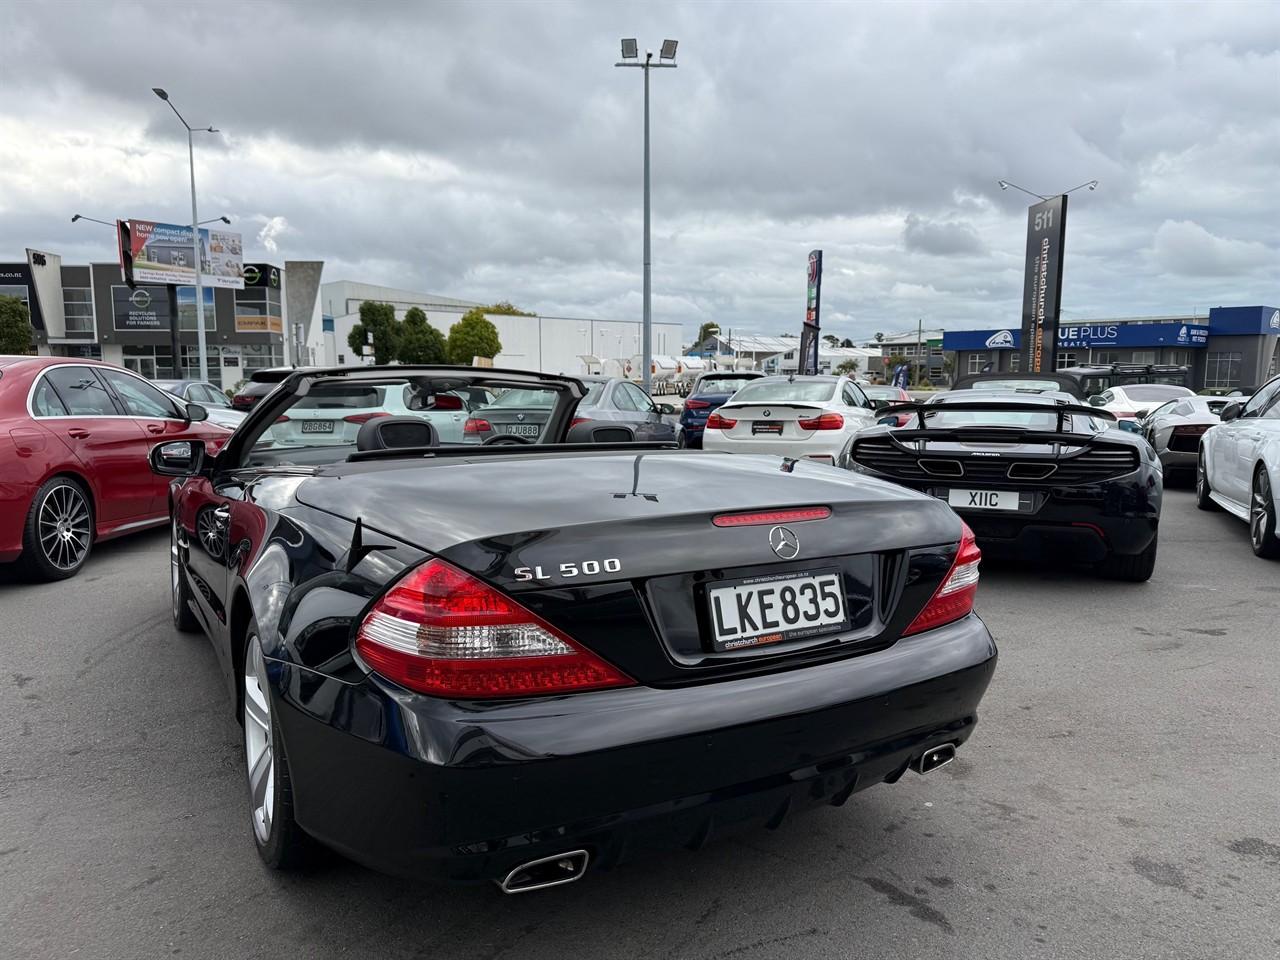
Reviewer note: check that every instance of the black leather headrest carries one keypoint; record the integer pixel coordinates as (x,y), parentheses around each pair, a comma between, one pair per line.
(602,431)
(385,433)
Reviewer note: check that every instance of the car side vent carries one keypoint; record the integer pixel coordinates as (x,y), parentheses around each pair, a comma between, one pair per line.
(883,455)
(1097,462)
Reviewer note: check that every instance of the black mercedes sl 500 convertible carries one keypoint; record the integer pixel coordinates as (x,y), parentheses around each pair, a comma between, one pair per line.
(514,660)
(1037,476)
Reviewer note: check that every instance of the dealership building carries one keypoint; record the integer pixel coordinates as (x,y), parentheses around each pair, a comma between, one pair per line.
(1231,347)
(86,310)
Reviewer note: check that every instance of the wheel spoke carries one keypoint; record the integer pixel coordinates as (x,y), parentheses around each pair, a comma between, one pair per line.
(260,778)
(255,706)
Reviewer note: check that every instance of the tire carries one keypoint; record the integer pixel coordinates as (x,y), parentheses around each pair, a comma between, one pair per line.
(1262,517)
(1203,500)
(1135,567)
(184,619)
(57,536)
(280,842)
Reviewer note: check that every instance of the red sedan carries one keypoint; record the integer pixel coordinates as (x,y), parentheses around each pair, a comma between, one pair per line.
(75,437)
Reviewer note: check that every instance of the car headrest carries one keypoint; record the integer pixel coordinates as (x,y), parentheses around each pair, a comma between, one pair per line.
(602,431)
(386,433)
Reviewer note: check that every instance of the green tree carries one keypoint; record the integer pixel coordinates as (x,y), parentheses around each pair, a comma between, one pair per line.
(879,337)
(380,320)
(831,340)
(16,332)
(846,342)
(707,330)
(419,341)
(473,336)
(506,308)
(849,367)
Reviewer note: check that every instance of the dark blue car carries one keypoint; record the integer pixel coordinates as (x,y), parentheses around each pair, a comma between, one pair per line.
(709,391)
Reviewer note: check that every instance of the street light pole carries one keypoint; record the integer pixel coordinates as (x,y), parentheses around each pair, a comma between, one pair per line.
(630,52)
(195,240)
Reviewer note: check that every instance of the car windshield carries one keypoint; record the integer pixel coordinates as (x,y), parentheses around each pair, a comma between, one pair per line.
(1017,386)
(781,391)
(329,423)
(1147,392)
(722,384)
(169,386)
(883,393)
(523,398)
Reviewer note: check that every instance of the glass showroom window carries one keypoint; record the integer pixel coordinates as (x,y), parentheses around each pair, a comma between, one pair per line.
(1065,360)
(976,362)
(1144,356)
(191,363)
(77,308)
(18,290)
(187,310)
(1180,358)
(1222,369)
(260,356)
(1015,361)
(1106,356)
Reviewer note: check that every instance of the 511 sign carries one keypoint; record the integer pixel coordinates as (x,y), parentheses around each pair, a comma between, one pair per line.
(1042,289)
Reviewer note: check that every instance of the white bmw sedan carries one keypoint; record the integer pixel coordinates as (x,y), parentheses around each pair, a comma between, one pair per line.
(1239,466)
(813,417)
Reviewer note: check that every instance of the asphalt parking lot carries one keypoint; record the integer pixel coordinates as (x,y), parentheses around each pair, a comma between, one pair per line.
(1119,799)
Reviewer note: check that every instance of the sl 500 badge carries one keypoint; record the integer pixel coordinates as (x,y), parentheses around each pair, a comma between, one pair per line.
(567,571)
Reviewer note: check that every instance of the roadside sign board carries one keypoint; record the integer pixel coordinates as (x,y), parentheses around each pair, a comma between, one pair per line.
(163,253)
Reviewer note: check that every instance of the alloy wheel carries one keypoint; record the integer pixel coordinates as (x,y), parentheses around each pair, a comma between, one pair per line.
(1259,509)
(63,527)
(258,742)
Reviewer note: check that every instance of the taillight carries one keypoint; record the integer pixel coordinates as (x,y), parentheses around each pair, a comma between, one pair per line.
(1191,430)
(365,417)
(282,419)
(696,404)
(827,421)
(717,422)
(476,425)
(954,599)
(577,420)
(443,632)
(757,518)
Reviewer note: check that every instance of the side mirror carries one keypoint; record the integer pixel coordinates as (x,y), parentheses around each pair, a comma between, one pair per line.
(667,409)
(1141,414)
(879,404)
(1229,412)
(1097,401)
(195,413)
(890,421)
(178,458)
(1129,426)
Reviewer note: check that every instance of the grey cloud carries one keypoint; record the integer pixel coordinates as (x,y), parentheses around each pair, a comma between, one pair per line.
(942,239)
(491,149)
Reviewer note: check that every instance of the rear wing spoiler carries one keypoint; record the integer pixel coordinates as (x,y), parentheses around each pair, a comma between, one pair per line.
(982,431)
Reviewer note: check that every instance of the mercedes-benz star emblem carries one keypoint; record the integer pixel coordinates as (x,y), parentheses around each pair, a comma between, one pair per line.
(784,542)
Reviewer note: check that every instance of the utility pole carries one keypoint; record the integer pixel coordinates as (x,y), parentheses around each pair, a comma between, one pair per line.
(919,337)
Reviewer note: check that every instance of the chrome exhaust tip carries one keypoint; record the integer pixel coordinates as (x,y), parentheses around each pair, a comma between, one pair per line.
(934,757)
(553,871)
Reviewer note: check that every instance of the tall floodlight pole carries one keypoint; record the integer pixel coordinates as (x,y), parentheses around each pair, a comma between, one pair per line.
(630,58)
(195,239)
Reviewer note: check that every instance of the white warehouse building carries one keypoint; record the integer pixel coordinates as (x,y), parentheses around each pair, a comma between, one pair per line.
(548,344)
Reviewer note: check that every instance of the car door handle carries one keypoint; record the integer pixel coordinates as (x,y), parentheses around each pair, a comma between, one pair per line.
(155,428)
(78,433)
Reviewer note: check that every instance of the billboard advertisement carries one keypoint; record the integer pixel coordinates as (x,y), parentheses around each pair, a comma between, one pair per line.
(163,253)
(808,357)
(1042,291)
(145,309)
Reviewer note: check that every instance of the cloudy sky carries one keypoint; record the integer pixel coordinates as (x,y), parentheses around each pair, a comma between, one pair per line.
(491,150)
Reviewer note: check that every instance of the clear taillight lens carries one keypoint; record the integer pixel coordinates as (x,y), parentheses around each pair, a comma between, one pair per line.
(954,598)
(443,632)
(827,421)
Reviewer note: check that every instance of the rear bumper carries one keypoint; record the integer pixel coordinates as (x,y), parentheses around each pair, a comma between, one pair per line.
(414,786)
(1179,459)
(825,448)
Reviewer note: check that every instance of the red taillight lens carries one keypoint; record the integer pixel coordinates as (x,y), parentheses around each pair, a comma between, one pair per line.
(827,421)
(365,417)
(447,401)
(476,425)
(954,599)
(761,517)
(717,422)
(1191,430)
(577,420)
(696,404)
(443,632)
(282,419)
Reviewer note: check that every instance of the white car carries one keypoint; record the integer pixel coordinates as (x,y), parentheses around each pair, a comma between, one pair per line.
(813,417)
(337,416)
(1239,466)
(1134,399)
